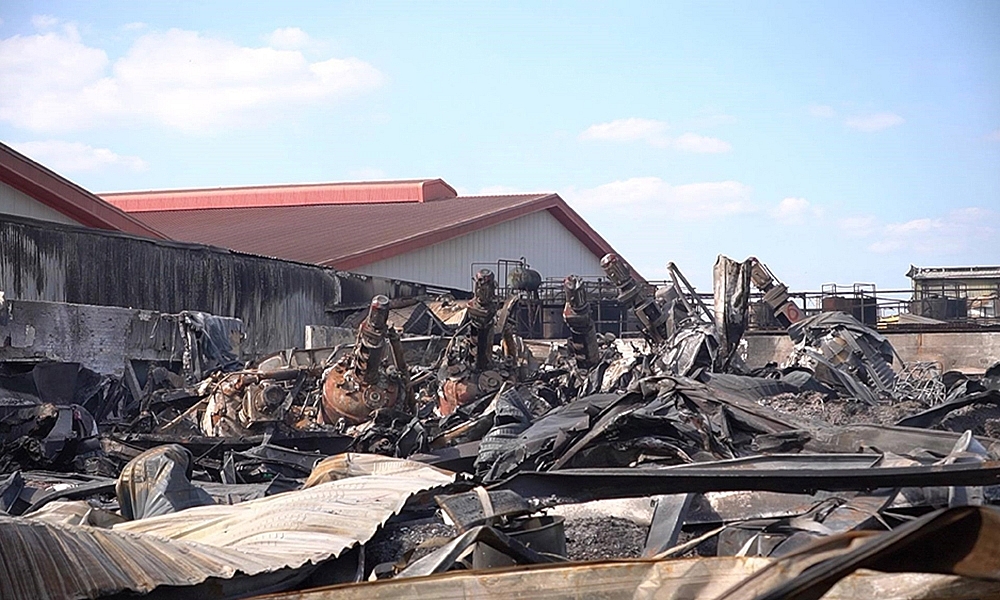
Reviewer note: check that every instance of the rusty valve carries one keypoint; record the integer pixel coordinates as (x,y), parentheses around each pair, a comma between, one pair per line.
(357,385)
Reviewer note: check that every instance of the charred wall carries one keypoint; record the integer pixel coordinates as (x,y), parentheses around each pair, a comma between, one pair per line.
(62,263)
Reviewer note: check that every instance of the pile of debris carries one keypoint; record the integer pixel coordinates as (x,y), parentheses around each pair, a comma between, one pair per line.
(372,465)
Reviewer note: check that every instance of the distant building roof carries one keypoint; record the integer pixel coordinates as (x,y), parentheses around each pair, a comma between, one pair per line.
(365,192)
(936,273)
(340,225)
(23,174)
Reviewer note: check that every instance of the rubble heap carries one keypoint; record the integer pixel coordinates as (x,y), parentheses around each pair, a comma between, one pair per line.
(397,457)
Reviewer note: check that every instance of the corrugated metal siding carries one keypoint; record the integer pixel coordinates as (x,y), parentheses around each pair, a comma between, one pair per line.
(44,560)
(57,263)
(539,237)
(16,202)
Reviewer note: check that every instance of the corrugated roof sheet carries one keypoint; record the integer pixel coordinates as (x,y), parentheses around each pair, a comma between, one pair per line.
(45,560)
(347,236)
(356,192)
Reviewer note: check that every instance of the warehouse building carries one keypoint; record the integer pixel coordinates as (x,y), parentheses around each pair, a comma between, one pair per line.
(414,230)
(67,254)
(28,189)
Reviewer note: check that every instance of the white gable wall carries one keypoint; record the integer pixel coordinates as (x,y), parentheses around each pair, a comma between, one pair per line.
(16,202)
(541,239)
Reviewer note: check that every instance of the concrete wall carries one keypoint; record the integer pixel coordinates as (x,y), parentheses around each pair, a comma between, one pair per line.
(548,247)
(100,338)
(16,202)
(962,351)
(58,263)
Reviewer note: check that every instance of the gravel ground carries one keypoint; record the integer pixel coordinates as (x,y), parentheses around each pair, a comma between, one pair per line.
(604,538)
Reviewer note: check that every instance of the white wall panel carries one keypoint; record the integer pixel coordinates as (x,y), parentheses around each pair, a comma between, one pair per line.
(541,239)
(16,202)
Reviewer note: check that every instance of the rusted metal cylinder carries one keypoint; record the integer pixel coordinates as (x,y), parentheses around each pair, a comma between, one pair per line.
(348,397)
(482,312)
(356,386)
(619,273)
(576,314)
(370,345)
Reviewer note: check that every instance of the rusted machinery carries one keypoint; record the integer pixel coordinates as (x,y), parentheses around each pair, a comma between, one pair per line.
(576,314)
(359,384)
(252,401)
(775,293)
(635,295)
(470,370)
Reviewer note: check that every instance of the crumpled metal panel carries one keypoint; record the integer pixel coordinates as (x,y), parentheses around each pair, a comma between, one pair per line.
(311,524)
(158,482)
(686,579)
(44,560)
(352,464)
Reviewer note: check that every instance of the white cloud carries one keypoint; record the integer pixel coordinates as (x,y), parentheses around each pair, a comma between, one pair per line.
(795,211)
(134,26)
(74,157)
(858,226)
(993,136)
(44,21)
(181,79)
(653,197)
(628,130)
(822,111)
(653,132)
(874,121)
(965,229)
(700,144)
(288,38)
(50,79)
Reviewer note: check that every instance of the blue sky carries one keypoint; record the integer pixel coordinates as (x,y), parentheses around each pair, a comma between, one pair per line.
(838,142)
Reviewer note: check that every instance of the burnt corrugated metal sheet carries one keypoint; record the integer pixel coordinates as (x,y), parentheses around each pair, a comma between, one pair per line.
(287,531)
(61,263)
(705,578)
(311,524)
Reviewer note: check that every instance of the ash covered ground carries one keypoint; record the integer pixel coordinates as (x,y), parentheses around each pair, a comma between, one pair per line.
(595,538)
(984,421)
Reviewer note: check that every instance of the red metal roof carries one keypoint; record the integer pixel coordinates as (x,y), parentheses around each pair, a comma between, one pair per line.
(61,194)
(365,192)
(341,234)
